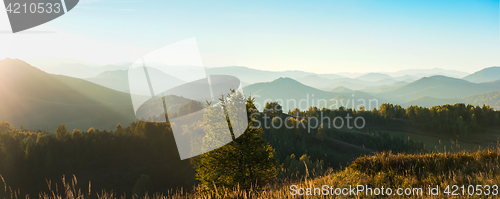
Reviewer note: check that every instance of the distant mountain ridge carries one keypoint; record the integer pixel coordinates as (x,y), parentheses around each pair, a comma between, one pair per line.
(417,73)
(492,99)
(396,85)
(75,68)
(292,94)
(484,75)
(428,91)
(341,89)
(428,102)
(438,87)
(430,72)
(373,77)
(39,100)
(326,82)
(252,76)
(118,79)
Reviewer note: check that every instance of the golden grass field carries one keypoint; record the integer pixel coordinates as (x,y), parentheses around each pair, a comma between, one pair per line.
(389,170)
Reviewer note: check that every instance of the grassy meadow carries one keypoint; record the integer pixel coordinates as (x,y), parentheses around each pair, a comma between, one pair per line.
(387,170)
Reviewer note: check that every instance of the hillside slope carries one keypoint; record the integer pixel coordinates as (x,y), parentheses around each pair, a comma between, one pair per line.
(485,75)
(428,102)
(437,87)
(39,100)
(252,76)
(118,79)
(293,94)
(491,98)
(341,89)
(400,175)
(373,77)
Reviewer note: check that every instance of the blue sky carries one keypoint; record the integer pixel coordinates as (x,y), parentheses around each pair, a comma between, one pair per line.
(315,36)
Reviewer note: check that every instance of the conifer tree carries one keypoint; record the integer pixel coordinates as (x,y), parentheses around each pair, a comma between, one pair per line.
(246,161)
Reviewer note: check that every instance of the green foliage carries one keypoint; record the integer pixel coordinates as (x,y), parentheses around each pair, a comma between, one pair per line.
(455,119)
(61,133)
(4,126)
(243,162)
(273,109)
(325,146)
(191,107)
(111,160)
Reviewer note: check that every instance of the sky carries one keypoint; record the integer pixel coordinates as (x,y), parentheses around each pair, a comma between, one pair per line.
(314,36)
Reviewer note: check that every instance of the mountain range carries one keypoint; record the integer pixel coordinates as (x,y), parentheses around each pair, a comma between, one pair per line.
(485,75)
(438,87)
(370,82)
(354,81)
(118,79)
(75,68)
(427,91)
(40,100)
(418,73)
(293,94)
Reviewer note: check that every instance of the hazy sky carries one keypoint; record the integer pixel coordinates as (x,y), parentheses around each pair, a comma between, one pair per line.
(315,36)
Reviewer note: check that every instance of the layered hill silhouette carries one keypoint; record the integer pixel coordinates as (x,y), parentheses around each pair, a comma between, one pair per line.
(427,91)
(419,73)
(373,77)
(39,100)
(293,94)
(428,102)
(485,75)
(75,68)
(374,89)
(112,76)
(491,98)
(364,82)
(252,76)
(437,87)
(118,79)
(341,89)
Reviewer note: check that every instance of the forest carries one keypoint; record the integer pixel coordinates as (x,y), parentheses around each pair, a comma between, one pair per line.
(142,157)
(457,119)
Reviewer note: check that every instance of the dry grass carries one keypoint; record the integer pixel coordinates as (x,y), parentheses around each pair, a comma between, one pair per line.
(384,169)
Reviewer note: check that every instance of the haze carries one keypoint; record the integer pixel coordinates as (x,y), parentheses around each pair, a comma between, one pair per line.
(313,36)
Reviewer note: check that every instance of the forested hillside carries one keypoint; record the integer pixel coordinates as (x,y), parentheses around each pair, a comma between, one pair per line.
(116,160)
(491,98)
(40,100)
(90,132)
(121,159)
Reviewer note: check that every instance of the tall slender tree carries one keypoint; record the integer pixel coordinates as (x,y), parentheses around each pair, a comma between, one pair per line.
(247,160)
